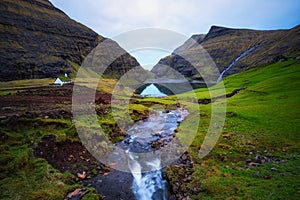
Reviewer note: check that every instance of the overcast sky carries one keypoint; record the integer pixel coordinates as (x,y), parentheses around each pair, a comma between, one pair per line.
(110,18)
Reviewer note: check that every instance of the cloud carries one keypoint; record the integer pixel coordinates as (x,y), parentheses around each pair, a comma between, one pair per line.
(110,18)
(195,16)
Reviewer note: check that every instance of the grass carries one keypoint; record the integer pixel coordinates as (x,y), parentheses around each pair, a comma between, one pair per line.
(261,120)
(14,86)
(22,175)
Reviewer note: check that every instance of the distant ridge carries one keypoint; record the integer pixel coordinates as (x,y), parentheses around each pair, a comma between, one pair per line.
(224,45)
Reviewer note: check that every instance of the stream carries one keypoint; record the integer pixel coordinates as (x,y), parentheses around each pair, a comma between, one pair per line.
(146,181)
(234,61)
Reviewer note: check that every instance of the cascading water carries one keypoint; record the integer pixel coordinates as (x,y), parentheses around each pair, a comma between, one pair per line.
(234,61)
(150,185)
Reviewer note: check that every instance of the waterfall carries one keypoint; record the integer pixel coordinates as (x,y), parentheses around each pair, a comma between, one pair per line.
(148,182)
(148,185)
(234,61)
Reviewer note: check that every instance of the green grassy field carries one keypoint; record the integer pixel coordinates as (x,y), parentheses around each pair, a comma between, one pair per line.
(256,156)
(14,86)
(262,126)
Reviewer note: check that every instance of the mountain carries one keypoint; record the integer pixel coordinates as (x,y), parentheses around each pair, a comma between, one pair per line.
(40,41)
(224,45)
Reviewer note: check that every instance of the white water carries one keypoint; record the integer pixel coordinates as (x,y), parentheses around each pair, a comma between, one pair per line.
(148,183)
(152,91)
(234,61)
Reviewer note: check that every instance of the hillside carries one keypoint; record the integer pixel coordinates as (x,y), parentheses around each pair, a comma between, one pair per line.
(257,154)
(256,157)
(40,41)
(226,44)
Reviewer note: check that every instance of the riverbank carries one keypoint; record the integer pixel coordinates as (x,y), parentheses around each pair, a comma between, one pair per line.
(256,157)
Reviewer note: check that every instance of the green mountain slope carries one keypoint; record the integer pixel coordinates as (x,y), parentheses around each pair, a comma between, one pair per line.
(257,155)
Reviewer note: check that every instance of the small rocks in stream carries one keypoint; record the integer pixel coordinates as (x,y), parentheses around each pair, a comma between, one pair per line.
(157,144)
(77,194)
(184,157)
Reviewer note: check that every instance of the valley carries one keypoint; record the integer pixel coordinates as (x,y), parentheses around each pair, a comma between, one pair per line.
(217,118)
(257,155)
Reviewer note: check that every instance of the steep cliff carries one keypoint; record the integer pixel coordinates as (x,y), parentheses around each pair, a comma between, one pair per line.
(224,45)
(40,41)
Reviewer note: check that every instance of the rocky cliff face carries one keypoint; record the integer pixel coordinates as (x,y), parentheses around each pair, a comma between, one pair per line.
(226,44)
(40,41)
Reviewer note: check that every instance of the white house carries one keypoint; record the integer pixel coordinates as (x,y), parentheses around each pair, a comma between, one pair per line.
(62,80)
(58,82)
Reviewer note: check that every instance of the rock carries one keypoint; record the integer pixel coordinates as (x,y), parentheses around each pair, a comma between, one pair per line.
(223,158)
(257,157)
(44,42)
(221,40)
(228,136)
(6,108)
(256,174)
(2,117)
(184,157)
(187,179)
(176,187)
(195,190)
(77,194)
(253,164)
(60,183)
(268,177)
(262,161)
(156,134)
(82,175)
(157,144)
(43,49)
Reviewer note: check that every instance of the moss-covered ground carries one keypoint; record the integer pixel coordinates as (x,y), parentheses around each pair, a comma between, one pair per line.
(256,156)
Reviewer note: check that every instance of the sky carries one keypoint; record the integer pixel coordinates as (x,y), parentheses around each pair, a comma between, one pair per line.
(111,18)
